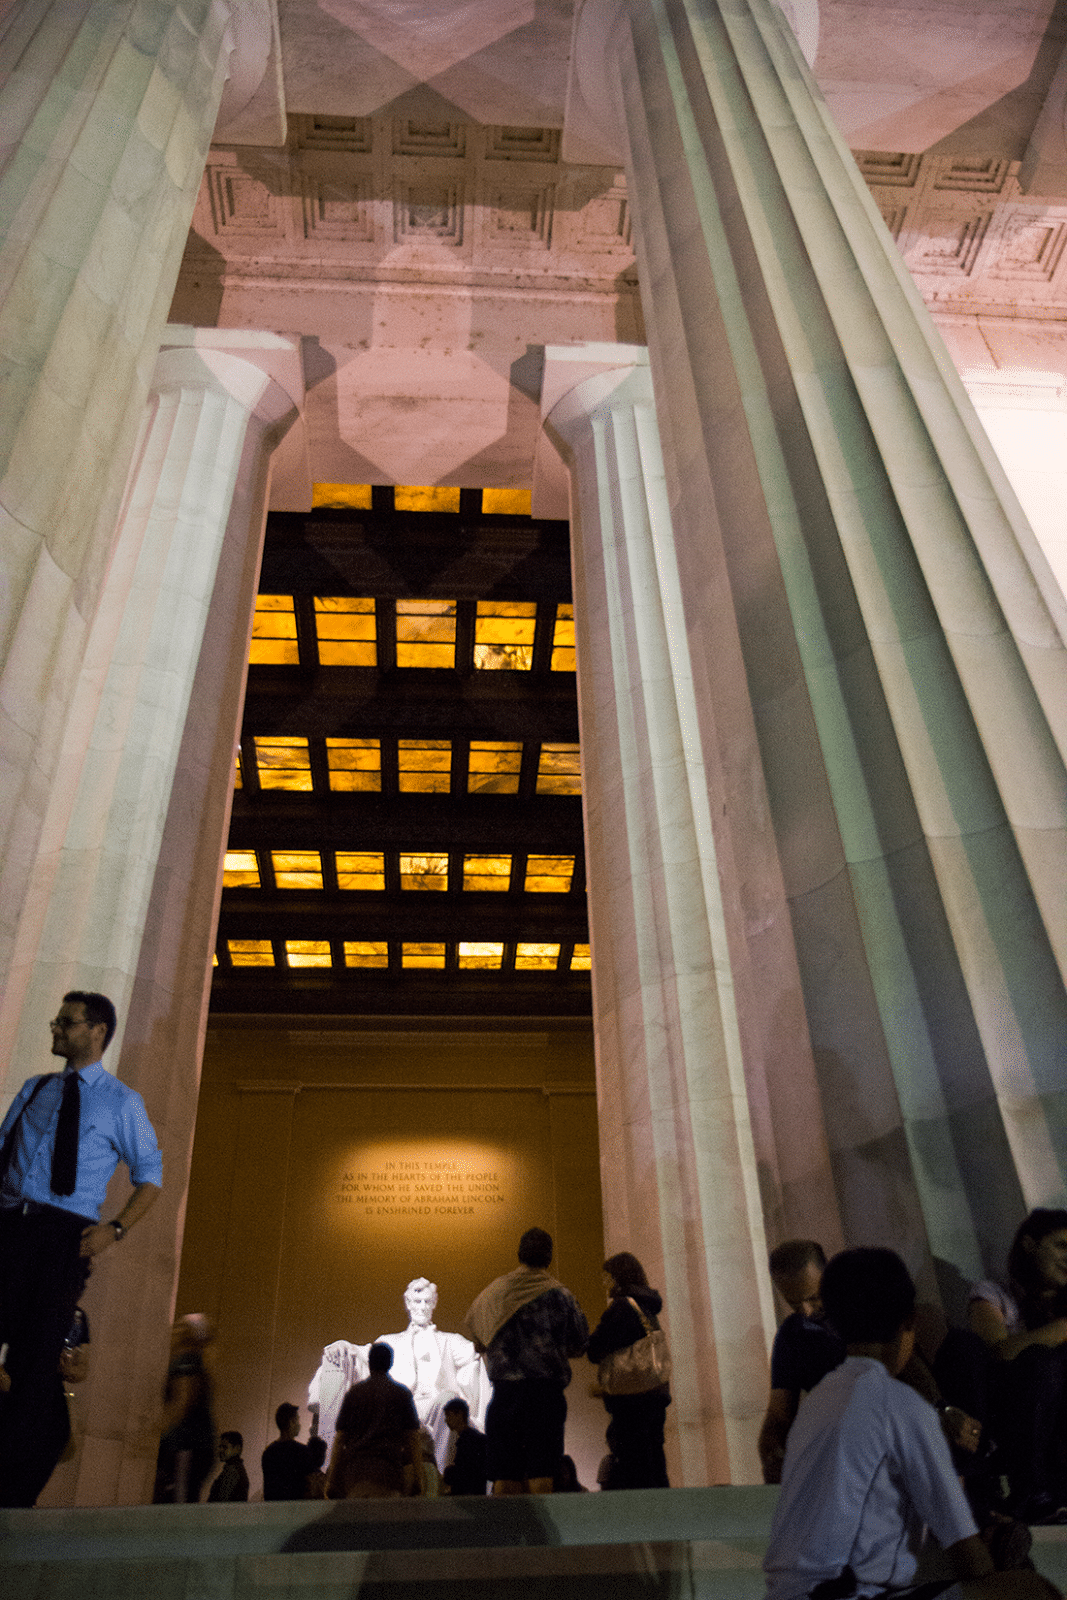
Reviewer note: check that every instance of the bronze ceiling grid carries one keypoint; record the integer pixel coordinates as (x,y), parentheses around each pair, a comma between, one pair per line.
(392,555)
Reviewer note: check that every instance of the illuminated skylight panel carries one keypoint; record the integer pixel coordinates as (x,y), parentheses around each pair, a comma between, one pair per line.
(283,762)
(536,957)
(416,497)
(563,640)
(504,635)
(559,769)
(361,869)
(549,874)
(423,870)
(250,952)
(422,955)
(426,633)
(470,955)
(308,953)
(274,632)
(494,766)
(366,953)
(425,766)
(342,496)
(490,874)
(240,870)
(297,869)
(507,503)
(347,631)
(355,764)
(480,957)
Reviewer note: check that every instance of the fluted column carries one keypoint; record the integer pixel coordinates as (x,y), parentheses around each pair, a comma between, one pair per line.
(107,109)
(126,900)
(903,640)
(691,1158)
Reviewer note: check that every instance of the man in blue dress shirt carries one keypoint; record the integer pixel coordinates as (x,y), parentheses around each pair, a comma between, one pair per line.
(60,1142)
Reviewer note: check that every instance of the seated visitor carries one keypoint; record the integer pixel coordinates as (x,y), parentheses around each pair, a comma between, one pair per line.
(867,1467)
(1024,1327)
(804,1348)
(466,1472)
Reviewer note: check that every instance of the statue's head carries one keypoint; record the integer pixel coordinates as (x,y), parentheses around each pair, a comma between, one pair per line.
(420,1297)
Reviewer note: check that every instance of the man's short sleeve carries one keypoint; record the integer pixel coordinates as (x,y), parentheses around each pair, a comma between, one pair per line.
(929,1476)
(15,1108)
(137,1142)
(407,1406)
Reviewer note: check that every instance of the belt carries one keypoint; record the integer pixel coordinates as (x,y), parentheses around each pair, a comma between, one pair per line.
(37,1208)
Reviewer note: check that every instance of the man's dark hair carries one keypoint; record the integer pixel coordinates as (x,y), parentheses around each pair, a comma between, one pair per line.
(793,1255)
(627,1274)
(868,1295)
(380,1357)
(458,1405)
(535,1248)
(98,1008)
(285,1414)
(232,1437)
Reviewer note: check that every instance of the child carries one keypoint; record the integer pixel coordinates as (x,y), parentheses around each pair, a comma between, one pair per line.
(867,1465)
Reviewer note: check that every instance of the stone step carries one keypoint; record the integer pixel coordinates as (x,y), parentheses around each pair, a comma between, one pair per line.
(636,1545)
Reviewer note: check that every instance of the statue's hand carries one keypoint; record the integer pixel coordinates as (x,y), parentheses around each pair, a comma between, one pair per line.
(337,1353)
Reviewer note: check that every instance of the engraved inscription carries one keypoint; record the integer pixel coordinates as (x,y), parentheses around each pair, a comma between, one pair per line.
(419,1188)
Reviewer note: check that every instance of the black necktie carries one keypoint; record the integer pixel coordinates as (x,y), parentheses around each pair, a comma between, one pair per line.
(65,1153)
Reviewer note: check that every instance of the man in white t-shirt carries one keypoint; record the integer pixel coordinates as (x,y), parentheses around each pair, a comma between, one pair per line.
(867,1466)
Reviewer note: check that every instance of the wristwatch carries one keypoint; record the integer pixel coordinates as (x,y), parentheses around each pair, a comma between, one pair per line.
(120,1231)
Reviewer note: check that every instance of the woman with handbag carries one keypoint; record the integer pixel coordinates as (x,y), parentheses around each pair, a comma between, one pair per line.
(629,1349)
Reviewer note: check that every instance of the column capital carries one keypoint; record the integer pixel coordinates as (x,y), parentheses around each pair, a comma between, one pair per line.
(261,371)
(253,102)
(577,378)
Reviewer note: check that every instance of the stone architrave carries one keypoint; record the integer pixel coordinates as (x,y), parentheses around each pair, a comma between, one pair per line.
(852,583)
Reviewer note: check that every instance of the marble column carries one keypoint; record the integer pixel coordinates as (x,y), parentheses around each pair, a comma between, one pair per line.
(1025,415)
(901,639)
(107,114)
(692,1155)
(125,891)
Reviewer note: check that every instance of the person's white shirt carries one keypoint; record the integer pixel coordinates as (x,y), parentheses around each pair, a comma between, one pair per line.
(866,1469)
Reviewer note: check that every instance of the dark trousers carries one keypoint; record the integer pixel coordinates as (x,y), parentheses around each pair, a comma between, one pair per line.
(1033,1414)
(635,1439)
(41,1280)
